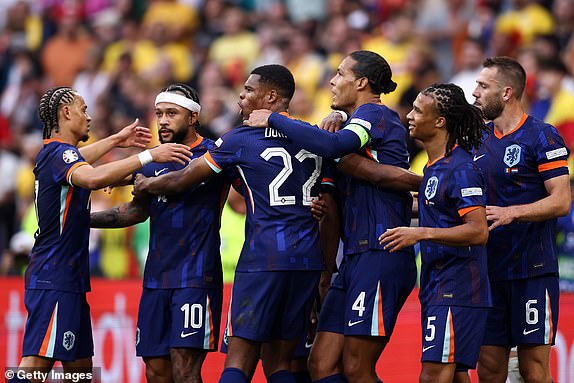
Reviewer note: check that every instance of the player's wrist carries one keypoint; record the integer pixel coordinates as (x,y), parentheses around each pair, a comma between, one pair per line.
(344,116)
(145,157)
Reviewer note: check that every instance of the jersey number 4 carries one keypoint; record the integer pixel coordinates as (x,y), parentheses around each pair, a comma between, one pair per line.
(278,200)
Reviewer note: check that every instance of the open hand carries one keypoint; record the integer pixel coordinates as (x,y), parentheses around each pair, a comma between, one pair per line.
(332,122)
(399,238)
(133,136)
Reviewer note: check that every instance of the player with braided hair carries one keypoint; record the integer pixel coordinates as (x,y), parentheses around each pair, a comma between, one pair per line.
(360,309)
(454,292)
(180,307)
(58,277)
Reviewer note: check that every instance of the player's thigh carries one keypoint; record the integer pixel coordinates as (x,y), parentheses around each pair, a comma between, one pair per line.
(58,325)
(326,355)
(535,310)
(377,285)
(452,334)
(433,372)
(158,369)
(268,306)
(82,368)
(154,326)
(186,362)
(196,318)
(493,363)
(534,362)
(360,355)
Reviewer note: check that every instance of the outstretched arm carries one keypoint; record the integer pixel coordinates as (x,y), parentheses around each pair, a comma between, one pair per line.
(381,175)
(92,178)
(472,231)
(310,137)
(556,204)
(125,215)
(130,136)
(175,182)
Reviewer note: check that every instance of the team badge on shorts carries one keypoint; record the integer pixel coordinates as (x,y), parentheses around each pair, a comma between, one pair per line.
(431,188)
(68,340)
(512,155)
(70,156)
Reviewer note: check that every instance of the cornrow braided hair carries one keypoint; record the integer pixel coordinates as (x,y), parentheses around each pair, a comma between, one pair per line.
(187,91)
(49,106)
(375,69)
(464,122)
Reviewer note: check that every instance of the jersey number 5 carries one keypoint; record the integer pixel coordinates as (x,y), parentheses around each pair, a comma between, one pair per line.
(278,200)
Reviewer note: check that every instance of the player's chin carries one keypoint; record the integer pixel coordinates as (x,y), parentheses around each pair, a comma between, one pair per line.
(85,137)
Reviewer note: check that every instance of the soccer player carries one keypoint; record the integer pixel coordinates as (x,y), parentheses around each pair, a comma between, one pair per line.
(524,161)
(57,279)
(180,308)
(280,263)
(361,308)
(454,292)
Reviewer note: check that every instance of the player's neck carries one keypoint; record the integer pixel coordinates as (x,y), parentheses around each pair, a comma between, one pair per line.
(509,119)
(191,138)
(435,148)
(367,98)
(65,137)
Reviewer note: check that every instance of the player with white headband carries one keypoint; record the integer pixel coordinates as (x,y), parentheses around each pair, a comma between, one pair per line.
(180,307)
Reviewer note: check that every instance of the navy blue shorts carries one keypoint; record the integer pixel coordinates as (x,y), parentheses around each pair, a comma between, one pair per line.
(271,305)
(524,312)
(58,325)
(178,318)
(367,295)
(452,334)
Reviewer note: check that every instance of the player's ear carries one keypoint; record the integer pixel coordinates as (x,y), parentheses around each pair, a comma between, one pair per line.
(508,93)
(362,83)
(66,112)
(193,118)
(440,122)
(272,96)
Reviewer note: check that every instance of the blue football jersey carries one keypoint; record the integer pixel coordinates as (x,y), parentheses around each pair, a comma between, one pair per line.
(516,166)
(279,181)
(368,211)
(59,259)
(184,239)
(452,275)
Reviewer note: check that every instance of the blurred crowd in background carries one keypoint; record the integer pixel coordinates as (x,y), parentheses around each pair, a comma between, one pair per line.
(119,53)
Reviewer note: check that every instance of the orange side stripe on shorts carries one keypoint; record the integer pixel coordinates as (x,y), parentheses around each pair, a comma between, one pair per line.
(380,313)
(46,341)
(451,351)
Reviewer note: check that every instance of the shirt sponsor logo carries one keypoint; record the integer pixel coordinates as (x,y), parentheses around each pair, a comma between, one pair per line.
(70,156)
(560,152)
(359,121)
(512,155)
(431,188)
(467,192)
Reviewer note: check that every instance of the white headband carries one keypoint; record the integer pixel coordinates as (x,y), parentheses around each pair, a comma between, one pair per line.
(178,99)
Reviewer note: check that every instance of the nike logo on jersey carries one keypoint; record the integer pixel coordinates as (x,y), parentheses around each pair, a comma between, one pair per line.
(351,324)
(525,332)
(476,158)
(158,172)
(184,335)
(428,348)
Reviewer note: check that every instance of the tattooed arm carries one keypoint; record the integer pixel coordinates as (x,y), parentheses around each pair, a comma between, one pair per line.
(124,215)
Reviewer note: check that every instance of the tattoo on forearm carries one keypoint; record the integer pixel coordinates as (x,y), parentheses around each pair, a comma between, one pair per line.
(119,216)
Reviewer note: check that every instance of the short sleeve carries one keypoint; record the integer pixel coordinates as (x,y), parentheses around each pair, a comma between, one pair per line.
(67,159)
(551,153)
(226,153)
(468,188)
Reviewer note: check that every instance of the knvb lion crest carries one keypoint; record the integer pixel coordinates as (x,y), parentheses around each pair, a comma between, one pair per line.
(512,155)
(432,186)
(68,340)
